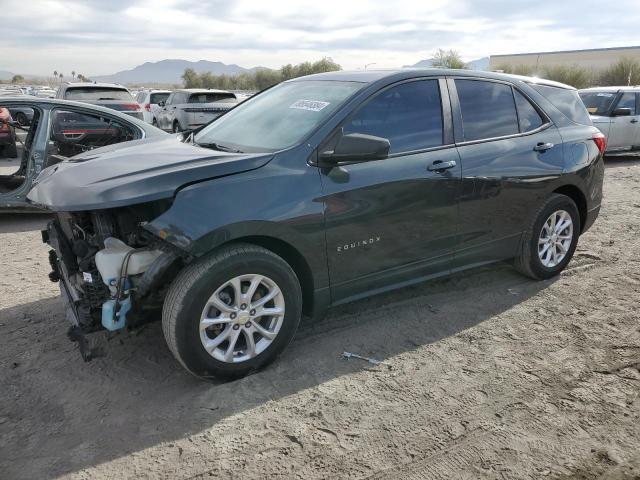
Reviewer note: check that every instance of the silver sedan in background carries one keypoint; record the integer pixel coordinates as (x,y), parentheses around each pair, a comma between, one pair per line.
(616,112)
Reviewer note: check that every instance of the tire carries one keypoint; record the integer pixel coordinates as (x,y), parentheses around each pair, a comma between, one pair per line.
(154,122)
(21,118)
(191,292)
(529,261)
(176,127)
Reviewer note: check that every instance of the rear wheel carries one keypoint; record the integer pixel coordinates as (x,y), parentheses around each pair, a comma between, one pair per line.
(21,118)
(551,239)
(176,127)
(232,313)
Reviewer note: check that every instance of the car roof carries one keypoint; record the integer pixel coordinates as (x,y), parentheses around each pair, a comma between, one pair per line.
(370,76)
(201,90)
(94,84)
(634,88)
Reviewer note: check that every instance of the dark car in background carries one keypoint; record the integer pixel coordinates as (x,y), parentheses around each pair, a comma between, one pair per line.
(59,129)
(189,109)
(616,112)
(320,191)
(107,95)
(23,116)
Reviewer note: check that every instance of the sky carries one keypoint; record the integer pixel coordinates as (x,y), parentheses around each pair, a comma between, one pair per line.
(101,37)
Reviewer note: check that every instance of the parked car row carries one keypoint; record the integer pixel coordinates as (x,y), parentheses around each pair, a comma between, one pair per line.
(319,191)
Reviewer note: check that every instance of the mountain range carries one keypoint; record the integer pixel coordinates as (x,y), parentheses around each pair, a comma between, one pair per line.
(170,71)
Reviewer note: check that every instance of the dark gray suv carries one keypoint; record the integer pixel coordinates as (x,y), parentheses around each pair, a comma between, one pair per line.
(320,191)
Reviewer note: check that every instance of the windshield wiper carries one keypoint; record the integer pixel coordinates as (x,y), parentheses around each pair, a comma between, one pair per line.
(219,147)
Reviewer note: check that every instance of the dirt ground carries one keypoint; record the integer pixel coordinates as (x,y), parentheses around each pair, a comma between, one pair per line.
(487,375)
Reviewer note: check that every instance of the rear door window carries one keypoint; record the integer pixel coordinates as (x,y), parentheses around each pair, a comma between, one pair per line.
(409,115)
(567,101)
(528,117)
(628,100)
(488,109)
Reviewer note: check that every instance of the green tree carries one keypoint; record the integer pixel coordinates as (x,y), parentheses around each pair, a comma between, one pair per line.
(17,79)
(259,79)
(191,79)
(448,59)
(625,71)
(517,69)
(573,75)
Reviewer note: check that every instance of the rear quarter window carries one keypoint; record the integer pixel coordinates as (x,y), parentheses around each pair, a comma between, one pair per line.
(567,101)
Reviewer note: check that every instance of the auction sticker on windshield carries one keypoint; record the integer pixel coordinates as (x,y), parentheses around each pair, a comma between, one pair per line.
(311,105)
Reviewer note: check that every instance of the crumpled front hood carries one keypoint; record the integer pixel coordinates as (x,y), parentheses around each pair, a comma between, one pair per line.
(133,172)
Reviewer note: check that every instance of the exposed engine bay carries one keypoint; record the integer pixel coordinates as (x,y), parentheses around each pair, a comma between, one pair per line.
(113,273)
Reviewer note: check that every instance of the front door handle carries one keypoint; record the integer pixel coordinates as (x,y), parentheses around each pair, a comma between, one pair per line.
(543,147)
(439,166)
(634,120)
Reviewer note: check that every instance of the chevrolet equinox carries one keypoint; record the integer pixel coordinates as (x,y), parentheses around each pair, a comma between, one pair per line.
(316,192)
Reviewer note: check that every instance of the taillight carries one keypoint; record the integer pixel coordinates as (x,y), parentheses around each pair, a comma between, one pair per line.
(147,107)
(601,141)
(130,106)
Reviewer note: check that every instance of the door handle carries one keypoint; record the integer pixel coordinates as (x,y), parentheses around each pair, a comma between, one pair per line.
(543,147)
(439,166)
(634,120)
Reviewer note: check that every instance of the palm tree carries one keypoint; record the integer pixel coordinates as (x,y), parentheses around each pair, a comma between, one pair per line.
(60,75)
(73,74)
(55,74)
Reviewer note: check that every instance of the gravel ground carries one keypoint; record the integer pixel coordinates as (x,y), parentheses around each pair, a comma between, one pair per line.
(486,375)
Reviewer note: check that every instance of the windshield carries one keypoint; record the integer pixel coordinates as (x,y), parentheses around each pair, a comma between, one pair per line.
(597,103)
(278,118)
(97,93)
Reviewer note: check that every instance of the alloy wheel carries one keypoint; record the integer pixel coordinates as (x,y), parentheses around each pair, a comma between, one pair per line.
(555,238)
(242,318)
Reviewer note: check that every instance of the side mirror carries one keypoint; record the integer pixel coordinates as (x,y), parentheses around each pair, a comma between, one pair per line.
(357,147)
(621,112)
(161,103)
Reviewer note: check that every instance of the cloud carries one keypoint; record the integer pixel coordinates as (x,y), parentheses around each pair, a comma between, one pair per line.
(97,36)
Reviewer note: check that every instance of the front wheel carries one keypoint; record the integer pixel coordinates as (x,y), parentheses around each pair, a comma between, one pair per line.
(176,127)
(233,312)
(551,239)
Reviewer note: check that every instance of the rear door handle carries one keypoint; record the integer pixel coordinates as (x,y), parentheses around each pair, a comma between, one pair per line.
(440,166)
(543,147)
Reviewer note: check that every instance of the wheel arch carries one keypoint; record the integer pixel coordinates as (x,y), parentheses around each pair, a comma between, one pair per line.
(575,194)
(293,257)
